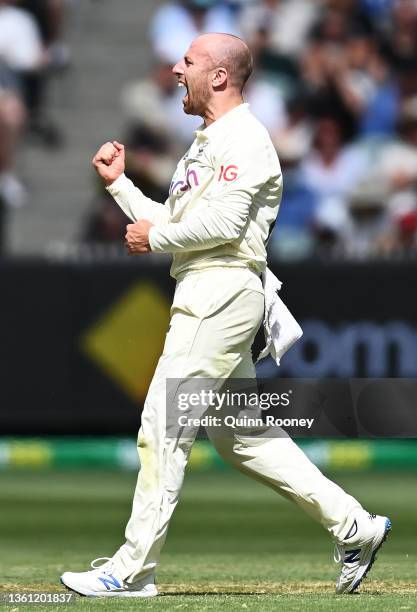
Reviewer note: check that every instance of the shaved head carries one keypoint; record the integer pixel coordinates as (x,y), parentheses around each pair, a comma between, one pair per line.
(214,71)
(232,53)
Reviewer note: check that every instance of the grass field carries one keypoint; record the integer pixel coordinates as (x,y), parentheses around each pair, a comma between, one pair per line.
(232,542)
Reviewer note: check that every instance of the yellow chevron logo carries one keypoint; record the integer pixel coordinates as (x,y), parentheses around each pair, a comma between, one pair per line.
(127,340)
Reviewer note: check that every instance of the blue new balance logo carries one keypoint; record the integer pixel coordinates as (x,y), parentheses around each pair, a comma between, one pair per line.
(352,556)
(110,581)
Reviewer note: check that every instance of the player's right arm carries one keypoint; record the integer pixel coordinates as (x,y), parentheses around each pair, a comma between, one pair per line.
(109,162)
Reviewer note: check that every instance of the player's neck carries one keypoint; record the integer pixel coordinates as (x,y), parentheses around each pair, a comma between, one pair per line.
(218,108)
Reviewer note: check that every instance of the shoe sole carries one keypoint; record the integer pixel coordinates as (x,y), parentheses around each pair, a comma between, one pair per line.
(111,593)
(358,582)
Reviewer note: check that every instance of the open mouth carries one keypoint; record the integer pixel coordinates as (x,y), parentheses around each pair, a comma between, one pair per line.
(186,97)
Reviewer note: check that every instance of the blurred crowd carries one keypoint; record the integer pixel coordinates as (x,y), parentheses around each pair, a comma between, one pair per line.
(335,83)
(31,50)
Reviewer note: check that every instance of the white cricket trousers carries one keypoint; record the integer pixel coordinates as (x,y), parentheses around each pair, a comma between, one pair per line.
(215,315)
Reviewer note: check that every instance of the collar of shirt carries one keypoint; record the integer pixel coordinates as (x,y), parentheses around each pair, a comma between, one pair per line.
(203,133)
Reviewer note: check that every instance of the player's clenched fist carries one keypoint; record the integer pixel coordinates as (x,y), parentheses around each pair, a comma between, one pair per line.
(137,237)
(109,161)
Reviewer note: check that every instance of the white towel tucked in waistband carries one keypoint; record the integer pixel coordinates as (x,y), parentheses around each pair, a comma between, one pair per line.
(280,328)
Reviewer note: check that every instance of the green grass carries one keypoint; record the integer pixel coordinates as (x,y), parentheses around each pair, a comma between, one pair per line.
(232,542)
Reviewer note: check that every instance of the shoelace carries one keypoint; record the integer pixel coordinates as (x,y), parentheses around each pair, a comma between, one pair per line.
(106,560)
(338,556)
(338,553)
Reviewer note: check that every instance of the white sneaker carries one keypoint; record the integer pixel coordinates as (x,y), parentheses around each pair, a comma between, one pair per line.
(358,556)
(106,581)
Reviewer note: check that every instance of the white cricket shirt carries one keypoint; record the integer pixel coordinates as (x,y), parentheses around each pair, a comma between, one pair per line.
(223,199)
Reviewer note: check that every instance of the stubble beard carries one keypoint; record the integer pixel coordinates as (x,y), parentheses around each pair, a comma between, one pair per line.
(198,100)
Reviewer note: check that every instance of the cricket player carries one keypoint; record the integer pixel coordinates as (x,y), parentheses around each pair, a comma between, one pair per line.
(223,202)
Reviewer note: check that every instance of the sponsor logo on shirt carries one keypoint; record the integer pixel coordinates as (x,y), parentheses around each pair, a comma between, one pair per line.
(185,185)
(228,173)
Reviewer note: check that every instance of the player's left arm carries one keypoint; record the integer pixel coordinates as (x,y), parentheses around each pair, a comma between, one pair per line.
(242,170)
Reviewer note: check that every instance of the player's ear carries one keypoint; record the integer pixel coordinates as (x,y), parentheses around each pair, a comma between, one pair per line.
(219,77)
